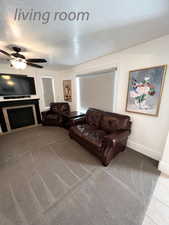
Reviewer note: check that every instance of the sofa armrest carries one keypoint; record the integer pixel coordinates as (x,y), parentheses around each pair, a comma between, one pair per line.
(78,121)
(117,136)
(113,144)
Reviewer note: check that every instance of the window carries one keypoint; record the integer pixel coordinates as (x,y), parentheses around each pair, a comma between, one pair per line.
(48,90)
(96,90)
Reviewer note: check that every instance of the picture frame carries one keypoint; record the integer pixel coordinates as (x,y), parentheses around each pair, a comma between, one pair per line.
(145,88)
(67,90)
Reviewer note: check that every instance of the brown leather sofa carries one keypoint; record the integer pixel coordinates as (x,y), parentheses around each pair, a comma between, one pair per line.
(103,133)
(54,115)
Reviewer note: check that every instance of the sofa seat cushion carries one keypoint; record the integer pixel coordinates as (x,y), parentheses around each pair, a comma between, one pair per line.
(52,116)
(95,137)
(81,128)
(90,134)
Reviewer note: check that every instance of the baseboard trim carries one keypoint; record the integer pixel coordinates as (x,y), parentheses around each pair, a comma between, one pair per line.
(144,150)
(164,167)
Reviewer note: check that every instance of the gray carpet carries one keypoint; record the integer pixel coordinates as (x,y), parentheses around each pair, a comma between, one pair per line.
(48,179)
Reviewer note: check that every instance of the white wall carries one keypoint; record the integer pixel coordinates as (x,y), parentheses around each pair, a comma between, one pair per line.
(37,74)
(148,133)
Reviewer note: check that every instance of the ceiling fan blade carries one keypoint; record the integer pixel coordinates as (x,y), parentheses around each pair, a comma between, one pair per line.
(37,60)
(5,53)
(16,49)
(34,65)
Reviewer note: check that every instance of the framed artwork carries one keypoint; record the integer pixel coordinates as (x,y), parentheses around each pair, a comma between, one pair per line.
(67,90)
(145,90)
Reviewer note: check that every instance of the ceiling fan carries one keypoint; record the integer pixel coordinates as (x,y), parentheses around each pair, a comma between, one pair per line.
(18,61)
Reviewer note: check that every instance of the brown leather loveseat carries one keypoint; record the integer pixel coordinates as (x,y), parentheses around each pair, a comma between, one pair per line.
(103,133)
(54,115)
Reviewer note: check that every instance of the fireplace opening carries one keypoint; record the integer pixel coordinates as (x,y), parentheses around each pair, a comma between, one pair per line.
(20,117)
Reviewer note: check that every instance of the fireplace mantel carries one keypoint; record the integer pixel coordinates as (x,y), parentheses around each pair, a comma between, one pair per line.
(18,99)
(6,105)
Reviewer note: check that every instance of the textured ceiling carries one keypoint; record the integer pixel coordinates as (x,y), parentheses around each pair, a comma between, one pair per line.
(112,25)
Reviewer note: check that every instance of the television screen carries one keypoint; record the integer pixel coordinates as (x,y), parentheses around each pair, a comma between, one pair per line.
(16,85)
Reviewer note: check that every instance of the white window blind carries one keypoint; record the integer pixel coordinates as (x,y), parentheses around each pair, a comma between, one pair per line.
(48,92)
(96,90)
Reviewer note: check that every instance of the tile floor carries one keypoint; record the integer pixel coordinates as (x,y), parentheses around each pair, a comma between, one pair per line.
(48,179)
(158,210)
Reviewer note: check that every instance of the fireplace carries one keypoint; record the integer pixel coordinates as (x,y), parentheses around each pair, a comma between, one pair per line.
(18,114)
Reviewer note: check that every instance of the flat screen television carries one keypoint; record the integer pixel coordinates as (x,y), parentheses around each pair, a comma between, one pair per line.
(16,85)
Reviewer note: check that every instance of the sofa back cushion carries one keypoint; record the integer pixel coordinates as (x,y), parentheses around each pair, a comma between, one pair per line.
(111,122)
(59,107)
(93,117)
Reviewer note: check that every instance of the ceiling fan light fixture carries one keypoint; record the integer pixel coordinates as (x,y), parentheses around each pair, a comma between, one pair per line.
(18,63)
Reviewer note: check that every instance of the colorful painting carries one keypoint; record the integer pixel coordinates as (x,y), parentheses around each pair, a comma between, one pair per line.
(145,90)
(67,90)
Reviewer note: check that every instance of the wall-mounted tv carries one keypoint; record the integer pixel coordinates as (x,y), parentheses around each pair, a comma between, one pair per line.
(16,85)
